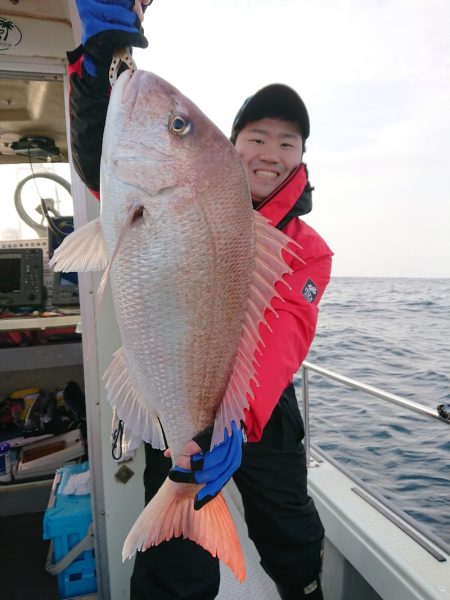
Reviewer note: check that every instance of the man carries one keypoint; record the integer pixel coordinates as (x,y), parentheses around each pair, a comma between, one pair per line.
(269,133)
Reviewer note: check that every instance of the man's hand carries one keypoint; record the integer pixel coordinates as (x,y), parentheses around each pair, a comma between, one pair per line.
(109,25)
(125,16)
(211,467)
(140,6)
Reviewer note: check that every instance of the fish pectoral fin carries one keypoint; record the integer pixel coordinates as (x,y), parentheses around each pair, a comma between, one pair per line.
(82,250)
(270,267)
(124,397)
(171,514)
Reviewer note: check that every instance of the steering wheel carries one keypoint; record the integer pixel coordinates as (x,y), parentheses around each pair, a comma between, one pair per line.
(37,222)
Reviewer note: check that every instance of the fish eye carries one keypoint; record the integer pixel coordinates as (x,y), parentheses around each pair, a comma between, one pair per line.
(179,124)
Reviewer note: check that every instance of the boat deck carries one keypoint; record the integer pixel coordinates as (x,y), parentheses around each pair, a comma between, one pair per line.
(257,584)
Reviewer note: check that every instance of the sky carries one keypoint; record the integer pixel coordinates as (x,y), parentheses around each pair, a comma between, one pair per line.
(375,76)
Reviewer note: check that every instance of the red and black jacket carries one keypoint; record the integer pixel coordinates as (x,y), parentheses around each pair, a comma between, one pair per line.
(293,331)
(288,344)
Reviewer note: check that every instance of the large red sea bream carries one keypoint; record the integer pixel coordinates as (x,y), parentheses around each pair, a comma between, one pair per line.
(192,270)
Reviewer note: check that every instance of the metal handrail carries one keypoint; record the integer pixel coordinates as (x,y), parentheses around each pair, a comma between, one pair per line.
(373,391)
(407,523)
(395,514)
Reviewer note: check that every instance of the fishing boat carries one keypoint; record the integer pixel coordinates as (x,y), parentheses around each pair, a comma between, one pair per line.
(372,550)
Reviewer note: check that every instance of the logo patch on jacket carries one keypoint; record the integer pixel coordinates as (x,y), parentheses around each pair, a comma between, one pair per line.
(309,292)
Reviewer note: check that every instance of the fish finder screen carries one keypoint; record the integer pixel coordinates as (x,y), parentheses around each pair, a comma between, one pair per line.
(10,274)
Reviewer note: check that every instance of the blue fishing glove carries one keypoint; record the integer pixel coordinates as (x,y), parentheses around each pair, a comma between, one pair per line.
(213,467)
(108,25)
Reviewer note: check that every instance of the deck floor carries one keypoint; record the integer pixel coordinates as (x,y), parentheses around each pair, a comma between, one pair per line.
(257,585)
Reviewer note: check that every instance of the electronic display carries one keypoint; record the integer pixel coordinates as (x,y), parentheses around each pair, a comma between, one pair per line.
(21,278)
(10,281)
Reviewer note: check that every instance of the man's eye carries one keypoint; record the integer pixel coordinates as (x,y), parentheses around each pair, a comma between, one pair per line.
(256,141)
(286,145)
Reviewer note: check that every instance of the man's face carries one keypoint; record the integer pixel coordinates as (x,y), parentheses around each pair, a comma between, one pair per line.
(270,150)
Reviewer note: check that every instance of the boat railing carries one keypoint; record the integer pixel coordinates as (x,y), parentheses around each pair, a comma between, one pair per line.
(364,387)
(381,502)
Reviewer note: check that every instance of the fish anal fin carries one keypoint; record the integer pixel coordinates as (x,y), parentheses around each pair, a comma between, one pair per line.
(272,249)
(124,397)
(82,250)
(171,514)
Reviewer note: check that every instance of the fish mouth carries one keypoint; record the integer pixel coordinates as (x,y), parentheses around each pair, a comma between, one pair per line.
(131,85)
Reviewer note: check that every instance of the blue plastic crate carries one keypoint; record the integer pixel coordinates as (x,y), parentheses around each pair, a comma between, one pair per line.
(66,523)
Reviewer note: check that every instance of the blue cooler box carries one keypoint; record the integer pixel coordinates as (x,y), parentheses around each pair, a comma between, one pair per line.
(68,524)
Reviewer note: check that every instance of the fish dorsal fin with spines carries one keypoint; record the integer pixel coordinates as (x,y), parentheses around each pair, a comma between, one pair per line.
(82,250)
(125,399)
(270,267)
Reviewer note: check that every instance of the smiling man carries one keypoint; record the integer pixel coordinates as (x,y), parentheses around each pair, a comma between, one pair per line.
(270,150)
(269,133)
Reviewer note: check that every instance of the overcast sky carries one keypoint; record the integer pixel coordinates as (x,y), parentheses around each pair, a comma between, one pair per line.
(375,76)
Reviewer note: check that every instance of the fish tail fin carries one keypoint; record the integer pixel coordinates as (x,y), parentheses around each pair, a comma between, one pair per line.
(171,514)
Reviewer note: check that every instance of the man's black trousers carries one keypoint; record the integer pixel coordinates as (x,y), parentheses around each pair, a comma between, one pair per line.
(281,518)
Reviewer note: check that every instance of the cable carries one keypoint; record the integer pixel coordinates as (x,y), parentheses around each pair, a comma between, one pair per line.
(117,441)
(58,233)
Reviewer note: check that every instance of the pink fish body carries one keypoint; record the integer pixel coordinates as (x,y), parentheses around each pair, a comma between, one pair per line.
(192,271)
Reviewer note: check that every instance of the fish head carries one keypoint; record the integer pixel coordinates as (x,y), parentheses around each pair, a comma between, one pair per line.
(160,152)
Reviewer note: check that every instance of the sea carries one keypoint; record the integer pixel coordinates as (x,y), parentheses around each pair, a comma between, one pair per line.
(393,334)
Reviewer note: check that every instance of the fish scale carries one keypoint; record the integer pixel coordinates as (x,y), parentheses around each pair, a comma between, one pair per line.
(173,367)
